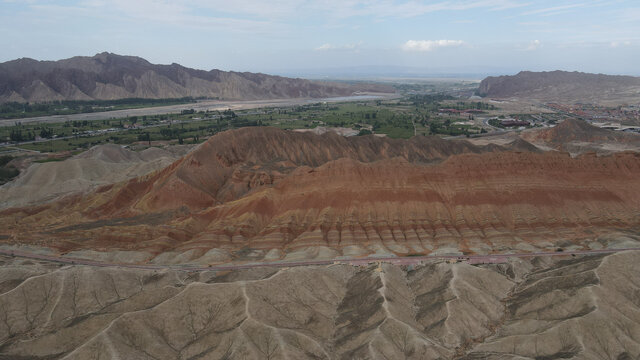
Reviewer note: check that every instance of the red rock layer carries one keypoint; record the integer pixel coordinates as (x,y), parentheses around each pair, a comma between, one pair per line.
(292,191)
(482,201)
(230,164)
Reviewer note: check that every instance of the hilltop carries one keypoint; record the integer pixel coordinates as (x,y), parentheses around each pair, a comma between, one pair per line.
(109,76)
(578,136)
(562,86)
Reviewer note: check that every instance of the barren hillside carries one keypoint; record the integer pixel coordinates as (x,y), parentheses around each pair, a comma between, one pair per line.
(577,136)
(103,164)
(264,193)
(563,86)
(538,308)
(109,76)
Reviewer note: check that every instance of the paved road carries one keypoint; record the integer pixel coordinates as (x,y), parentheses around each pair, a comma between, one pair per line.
(474,259)
(211,105)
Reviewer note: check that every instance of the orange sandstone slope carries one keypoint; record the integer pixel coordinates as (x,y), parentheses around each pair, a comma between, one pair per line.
(281,193)
(230,164)
(473,203)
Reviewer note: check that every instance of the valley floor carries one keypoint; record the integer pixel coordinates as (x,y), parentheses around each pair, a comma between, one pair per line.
(207,105)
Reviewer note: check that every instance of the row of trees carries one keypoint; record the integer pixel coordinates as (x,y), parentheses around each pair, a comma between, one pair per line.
(13,110)
(18,135)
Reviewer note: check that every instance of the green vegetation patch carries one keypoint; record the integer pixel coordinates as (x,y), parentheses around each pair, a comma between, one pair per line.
(51,159)
(16,110)
(416,114)
(7,172)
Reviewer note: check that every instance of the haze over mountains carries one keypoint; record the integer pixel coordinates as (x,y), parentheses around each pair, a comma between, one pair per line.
(109,76)
(562,86)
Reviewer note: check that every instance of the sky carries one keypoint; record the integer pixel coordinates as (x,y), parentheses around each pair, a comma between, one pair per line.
(325,38)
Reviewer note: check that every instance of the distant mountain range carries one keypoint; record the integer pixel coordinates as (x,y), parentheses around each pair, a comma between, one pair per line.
(563,86)
(109,76)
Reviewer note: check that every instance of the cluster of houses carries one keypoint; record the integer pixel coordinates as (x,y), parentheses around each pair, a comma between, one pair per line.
(514,123)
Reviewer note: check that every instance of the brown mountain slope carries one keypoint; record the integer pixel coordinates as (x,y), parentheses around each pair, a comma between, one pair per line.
(109,76)
(277,193)
(562,86)
(230,164)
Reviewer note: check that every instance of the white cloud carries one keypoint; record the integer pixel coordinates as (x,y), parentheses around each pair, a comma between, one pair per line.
(429,45)
(283,10)
(163,12)
(534,45)
(273,9)
(326,47)
(537,24)
(554,10)
(629,15)
(410,8)
(341,9)
(615,44)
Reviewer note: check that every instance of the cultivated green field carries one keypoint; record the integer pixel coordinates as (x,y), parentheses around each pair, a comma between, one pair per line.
(415,114)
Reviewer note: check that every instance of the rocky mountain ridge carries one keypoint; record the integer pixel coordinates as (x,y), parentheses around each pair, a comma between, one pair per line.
(109,76)
(562,86)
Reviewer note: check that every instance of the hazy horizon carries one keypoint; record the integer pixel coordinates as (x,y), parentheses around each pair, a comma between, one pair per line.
(459,38)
